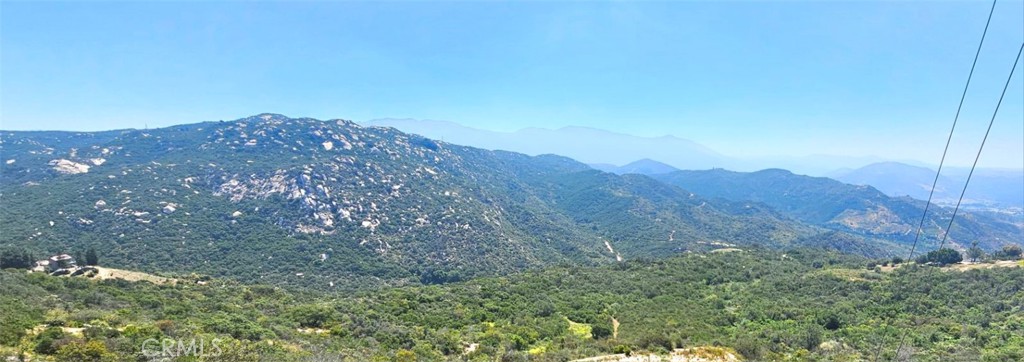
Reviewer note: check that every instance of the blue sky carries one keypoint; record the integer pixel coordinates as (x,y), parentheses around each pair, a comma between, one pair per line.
(744,78)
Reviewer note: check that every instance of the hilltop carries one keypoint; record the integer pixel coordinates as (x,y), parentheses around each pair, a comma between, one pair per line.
(301,201)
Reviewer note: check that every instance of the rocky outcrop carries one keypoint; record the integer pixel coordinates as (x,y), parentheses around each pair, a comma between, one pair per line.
(68,167)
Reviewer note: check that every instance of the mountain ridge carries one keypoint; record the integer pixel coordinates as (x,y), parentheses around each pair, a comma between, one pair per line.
(315,202)
(594,148)
(1000,189)
(858,209)
(577,142)
(644,166)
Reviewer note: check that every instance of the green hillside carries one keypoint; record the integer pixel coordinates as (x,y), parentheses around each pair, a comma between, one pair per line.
(797,305)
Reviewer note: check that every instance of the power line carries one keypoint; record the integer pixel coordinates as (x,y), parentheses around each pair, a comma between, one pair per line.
(949,139)
(1016,60)
(978,156)
(942,161)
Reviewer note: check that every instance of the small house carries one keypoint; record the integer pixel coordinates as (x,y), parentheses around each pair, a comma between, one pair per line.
(62,261)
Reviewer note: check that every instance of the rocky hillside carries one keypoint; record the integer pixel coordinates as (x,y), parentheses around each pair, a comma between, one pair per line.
(332,204)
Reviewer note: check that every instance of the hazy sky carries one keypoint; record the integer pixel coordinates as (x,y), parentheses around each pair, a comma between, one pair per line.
(744,78)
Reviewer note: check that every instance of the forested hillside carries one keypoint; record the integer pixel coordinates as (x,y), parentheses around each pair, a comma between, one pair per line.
(797,305)
(332,204)
(860,210)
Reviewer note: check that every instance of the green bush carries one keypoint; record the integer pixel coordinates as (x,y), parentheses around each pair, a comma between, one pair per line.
(623,349)
(47,342)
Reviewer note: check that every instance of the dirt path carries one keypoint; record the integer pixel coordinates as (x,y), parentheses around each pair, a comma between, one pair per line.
(696,354)
(965,266)
(996,264)
(104,273)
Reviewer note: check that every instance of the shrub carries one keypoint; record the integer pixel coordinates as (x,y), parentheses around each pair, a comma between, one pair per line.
(750,348)
(600,331)
(47,341)
(92,351)
(313,316)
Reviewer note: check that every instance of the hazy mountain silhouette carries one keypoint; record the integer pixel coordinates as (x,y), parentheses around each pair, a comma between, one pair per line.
(587,145)
(989,187)
(641,167)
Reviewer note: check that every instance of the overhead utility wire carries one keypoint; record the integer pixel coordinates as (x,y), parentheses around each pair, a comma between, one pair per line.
(949,139)
(976,157)
(935,182)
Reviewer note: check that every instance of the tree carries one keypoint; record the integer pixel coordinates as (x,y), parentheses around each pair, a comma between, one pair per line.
(600,331)
(832,322)
(813,337)
(91,258)
(942,256)
(15,258)
(1009,252)
(313,316)
(974,252)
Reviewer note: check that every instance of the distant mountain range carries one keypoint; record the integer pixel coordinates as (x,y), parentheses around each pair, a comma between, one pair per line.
(606,149)
(859,210)
(989,188)
(641,167)
(994,189)
(587,145)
